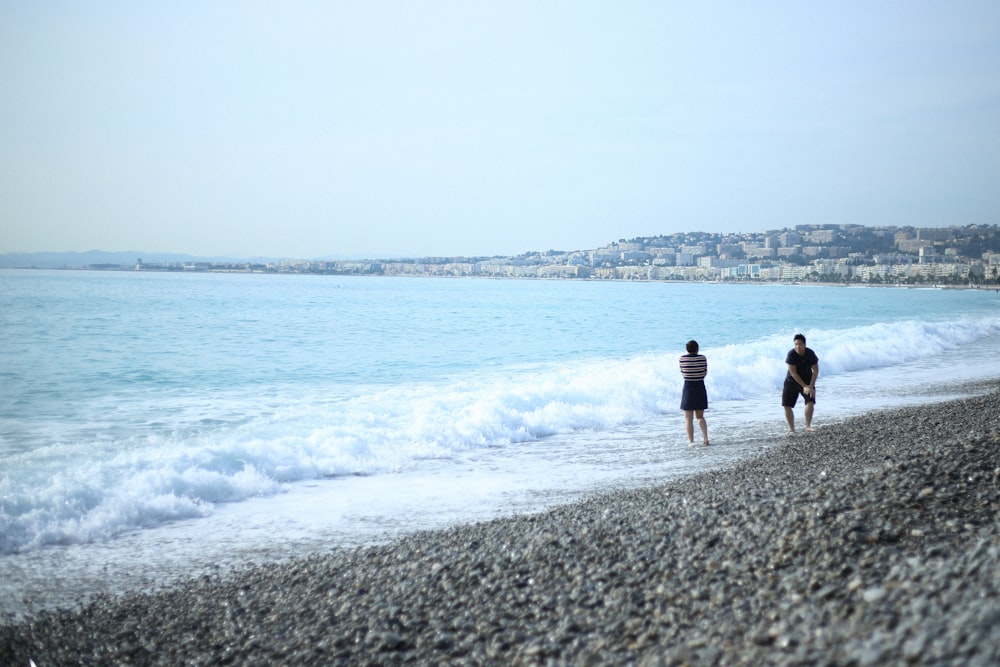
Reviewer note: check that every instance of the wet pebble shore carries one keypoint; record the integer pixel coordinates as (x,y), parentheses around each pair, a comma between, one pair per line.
(875,541)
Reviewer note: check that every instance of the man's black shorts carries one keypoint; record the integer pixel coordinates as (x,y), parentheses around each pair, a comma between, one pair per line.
(790,394)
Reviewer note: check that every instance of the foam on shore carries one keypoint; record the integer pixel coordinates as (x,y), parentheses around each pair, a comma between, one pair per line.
(870,541)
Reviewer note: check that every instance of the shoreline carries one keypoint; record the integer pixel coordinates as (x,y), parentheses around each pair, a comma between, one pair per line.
(740,282)
(876,539)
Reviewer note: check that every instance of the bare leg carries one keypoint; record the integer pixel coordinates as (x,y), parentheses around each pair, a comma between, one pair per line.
(790,418)
(809,416)
(700,414)
(689,425)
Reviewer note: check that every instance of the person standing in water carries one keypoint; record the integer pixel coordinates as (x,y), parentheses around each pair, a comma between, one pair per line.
(803,369)
(694,398)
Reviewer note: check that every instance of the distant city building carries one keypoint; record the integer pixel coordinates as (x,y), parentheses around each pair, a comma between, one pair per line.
(788,239)
(967,255)
(928,234)
(821,236)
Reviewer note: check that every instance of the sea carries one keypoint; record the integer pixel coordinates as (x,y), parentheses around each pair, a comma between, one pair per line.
(161,426)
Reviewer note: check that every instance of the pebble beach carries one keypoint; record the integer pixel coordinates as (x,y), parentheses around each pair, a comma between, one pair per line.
(873,541)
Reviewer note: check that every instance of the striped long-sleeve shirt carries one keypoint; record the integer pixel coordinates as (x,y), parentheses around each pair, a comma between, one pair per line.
(694,366)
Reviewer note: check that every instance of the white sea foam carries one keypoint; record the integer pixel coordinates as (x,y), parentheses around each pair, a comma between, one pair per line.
(73,492)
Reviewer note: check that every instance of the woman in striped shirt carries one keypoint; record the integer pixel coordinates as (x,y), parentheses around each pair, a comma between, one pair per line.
(694,398)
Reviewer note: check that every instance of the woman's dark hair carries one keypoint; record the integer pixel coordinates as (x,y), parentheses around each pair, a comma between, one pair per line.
(692,347)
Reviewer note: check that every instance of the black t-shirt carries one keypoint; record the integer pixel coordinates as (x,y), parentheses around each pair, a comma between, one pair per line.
(803,364)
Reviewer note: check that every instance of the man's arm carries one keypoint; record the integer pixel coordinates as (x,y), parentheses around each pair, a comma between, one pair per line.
(812,382)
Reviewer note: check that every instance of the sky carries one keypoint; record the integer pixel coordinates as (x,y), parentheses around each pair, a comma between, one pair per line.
(386,128)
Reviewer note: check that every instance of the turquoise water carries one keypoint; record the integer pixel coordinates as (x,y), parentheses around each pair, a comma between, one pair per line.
(153,421)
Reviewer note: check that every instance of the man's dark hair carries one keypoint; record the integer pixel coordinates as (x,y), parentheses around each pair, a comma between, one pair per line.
(692,347)
(800,337)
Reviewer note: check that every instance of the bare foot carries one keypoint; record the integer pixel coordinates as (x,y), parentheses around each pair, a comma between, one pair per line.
(810,429)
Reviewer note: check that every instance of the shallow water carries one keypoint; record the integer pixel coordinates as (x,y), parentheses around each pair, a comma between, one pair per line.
(239,430)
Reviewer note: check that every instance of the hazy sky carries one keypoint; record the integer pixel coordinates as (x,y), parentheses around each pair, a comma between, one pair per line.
(299,128)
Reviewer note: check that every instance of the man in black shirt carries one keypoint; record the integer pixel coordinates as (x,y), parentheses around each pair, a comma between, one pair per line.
(803,369)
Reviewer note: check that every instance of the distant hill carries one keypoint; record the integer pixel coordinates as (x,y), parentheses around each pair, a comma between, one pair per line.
(79,260)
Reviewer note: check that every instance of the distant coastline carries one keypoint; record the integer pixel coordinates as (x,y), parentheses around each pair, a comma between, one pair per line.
(719,281)
(966,256)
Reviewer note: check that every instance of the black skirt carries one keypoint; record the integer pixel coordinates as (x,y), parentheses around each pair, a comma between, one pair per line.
(694,396)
